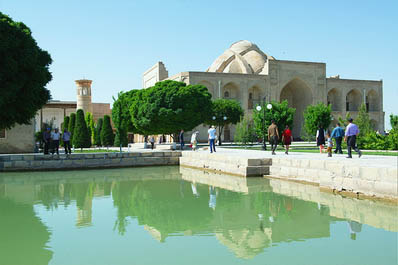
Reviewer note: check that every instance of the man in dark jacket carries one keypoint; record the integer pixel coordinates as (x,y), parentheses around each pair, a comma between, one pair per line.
(338,134)
(181,136)
(46,140)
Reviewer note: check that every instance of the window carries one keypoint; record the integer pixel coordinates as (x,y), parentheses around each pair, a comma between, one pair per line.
(2,133)
(226,94)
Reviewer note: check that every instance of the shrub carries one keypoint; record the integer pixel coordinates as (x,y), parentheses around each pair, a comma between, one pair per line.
(81,138)
(107,132)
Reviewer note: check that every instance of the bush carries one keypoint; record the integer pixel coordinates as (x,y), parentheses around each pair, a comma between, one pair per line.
(245,132)
(98,130)
(71,125)
(81,138)
(315,115)
(107,132)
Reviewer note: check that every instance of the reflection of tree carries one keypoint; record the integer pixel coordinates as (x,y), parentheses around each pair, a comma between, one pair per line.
(23,236)
(158,204)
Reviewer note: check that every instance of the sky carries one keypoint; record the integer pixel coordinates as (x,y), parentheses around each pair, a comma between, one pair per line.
(114,42)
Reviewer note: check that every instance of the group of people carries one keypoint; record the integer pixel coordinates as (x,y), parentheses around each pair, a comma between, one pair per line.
(349,136)
(51,140)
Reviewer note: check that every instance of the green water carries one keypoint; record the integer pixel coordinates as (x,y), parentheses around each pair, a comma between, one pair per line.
(154,216)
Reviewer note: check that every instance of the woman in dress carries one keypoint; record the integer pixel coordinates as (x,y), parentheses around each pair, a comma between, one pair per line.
(287,138)
(320,138)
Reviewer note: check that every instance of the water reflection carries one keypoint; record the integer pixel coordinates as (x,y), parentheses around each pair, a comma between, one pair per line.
(245,215)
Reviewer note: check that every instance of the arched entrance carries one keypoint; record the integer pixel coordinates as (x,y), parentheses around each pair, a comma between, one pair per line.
(299,95)
(334,96)
(353,100)
(372,101)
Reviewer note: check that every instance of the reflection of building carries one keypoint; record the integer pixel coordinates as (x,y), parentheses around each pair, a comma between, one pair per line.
(245,73)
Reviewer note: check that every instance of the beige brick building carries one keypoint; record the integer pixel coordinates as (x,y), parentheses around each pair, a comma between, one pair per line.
(245,73)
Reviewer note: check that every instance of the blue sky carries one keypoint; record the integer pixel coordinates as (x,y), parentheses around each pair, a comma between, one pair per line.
(114,42)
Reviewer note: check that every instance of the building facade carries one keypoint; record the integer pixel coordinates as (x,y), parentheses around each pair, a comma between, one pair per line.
(245,73)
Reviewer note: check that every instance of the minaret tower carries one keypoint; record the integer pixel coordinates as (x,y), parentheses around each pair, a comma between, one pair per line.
(84,95)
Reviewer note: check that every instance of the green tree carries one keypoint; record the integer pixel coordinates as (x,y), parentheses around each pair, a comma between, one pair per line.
(98,129)
(315,115)
(364,125)
(71,125)
(65,124)
(24,74)
(90,125)
(121,116)
(107,132)
(394,121)
(81,138)
(169,106)
(224,112)
(245,132)
(279,112)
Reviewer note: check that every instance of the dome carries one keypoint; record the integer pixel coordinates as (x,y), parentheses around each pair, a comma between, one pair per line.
(241,57)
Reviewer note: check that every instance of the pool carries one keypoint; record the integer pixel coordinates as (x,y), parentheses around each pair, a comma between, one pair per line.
(165,215)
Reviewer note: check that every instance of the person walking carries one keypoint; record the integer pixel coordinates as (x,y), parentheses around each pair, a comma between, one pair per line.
(338,134)
(66,139)
(212,138)
(55,136)
(350,137)
(181,137)
(194,140)
(287,138)
(320,138)
(273,136)
(46,140)
(152,141)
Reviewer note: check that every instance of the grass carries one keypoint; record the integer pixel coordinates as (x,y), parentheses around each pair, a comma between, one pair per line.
(316,150)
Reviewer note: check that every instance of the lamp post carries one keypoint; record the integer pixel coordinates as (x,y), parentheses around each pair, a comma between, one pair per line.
(259,108)
(220,127)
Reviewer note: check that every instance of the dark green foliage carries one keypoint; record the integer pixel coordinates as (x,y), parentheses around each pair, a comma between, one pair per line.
(81,138)
(394,121)
(168,107)
(66,123)
(107,132)
(98,129)
(221,108)
(90,126)
(121,116)
(24,74)
(71,126)
(280,113)
(315,115)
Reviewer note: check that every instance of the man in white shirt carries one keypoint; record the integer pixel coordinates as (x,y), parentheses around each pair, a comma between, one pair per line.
(55,136)
(212,138)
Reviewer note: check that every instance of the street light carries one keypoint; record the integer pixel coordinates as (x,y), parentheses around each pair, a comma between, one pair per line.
(259,108)
(219,127)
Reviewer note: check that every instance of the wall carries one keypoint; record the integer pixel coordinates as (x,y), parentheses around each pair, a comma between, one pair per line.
(154,74)
(20,139)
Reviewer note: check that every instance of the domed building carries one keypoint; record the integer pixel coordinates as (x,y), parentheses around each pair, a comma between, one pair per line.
(246,74)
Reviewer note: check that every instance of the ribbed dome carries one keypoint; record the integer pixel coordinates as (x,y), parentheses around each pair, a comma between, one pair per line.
(242,57)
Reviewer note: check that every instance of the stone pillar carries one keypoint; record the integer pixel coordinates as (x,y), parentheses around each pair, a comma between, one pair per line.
(83,91)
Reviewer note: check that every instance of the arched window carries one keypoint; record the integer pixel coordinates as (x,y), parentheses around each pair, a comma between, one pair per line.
(250,95)
(226,94)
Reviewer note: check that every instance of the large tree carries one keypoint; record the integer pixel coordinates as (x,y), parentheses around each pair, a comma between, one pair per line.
(279,112)
(169,106)
(121,116)
(317,115)
(224,112)
(24,74)
(65,124)
(90,125)
(81,138)
(98,129)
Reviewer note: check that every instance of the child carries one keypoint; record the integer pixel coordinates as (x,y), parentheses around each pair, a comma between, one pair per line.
(330,144)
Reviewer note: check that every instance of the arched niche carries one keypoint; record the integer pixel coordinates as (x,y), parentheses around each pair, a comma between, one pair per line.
(372,101)
(353,100)
(232,90)
(254,97)
(298,95)
(334,99)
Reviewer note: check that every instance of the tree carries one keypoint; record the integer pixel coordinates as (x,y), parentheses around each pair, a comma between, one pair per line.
(364,125)
(245,132)
(224,112)
(71,127)
(66,123)
(169,106)
(394,121)
(90,126)
(121,116)
(24,74)
(107,132)
(280,113)
(98,130)
(81,138)
(315,115)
